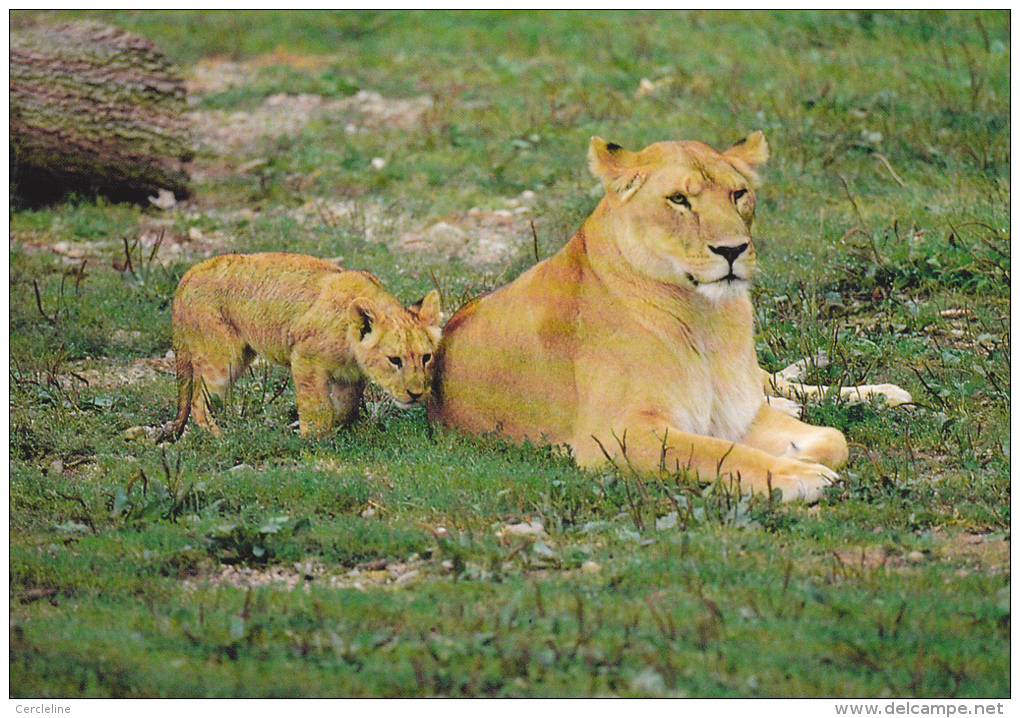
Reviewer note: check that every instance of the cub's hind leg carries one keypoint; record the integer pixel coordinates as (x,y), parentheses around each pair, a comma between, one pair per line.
(217,361)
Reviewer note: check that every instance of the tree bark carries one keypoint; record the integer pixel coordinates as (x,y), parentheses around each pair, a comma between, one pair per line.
(95,110)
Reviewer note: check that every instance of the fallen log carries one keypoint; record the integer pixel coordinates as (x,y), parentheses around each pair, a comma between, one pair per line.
(95,110)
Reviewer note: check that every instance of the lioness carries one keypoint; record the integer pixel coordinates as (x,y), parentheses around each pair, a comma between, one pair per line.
(333,327)
(634,343)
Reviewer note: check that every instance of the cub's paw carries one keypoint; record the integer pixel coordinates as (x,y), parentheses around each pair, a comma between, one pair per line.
(800,480)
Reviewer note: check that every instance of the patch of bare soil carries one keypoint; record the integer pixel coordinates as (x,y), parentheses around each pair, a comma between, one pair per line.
(476,236)
(232,142)
(380,574)
(364,577)
(116,373)
(282,115)
(972,552)
(479,237)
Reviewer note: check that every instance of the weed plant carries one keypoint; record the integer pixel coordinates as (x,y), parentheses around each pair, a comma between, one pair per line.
(399,560)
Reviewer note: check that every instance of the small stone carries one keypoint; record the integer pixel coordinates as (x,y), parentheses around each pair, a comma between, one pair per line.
(405,578)
(591,566)
(164,199)
(526,528)
(134,433)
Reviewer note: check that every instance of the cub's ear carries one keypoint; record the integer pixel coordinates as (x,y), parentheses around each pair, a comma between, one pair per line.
(616,167)
(364,316)
(428,309)
(749,154)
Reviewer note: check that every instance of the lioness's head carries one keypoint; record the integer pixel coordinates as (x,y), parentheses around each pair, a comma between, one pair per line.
(396,346)
(682,212)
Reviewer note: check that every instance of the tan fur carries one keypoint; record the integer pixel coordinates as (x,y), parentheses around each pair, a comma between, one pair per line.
(785,384)
(636,339)
(334,328)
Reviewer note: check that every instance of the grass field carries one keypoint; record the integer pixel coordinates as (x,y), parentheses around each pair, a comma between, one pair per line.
(448,149)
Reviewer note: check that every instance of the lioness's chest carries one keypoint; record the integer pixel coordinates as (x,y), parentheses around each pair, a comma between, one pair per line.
(704,380)
(715,392)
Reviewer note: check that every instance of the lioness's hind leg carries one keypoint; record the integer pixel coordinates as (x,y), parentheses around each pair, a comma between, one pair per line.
(779,434)
(787,383)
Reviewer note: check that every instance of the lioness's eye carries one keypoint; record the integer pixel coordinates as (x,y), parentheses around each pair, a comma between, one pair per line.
(680,200)
(739,195)
(397,362)
(425,359)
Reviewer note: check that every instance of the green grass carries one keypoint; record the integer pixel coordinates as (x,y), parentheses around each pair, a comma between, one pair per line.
(883,236)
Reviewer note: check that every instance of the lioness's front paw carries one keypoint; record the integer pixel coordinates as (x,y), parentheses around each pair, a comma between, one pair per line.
(786,406)
(800,480)
(819,445)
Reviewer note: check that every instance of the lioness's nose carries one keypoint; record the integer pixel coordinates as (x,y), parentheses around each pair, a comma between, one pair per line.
(730,254)
(415,396)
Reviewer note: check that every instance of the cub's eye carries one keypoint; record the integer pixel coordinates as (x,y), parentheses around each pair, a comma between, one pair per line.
(739,195)
(680,200)
(425,359)
(397,362)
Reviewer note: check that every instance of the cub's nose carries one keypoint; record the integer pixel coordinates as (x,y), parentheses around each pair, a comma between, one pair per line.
(730,254)
(414,395)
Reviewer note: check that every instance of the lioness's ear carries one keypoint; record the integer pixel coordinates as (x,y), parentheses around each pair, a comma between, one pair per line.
(749,154)
(616,167)
(364,314)
(429,309)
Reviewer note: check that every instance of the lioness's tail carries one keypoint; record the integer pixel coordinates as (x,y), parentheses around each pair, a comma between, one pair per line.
(185,383)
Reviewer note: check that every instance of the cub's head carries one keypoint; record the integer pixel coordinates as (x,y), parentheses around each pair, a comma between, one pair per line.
(396,346)
(681,212)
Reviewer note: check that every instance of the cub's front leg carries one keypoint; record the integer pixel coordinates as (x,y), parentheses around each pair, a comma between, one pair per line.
(313,393)
(346,400)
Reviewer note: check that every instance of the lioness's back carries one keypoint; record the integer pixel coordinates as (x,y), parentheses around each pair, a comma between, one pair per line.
(476,386)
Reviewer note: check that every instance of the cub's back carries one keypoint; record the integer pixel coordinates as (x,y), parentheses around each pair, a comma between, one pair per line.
(232,272)
(262,295)
(271,276)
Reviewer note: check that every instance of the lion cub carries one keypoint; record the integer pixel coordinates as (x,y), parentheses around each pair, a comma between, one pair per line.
(333,327)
